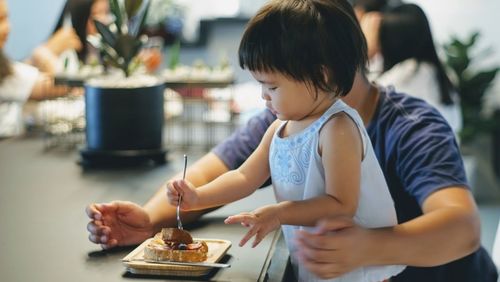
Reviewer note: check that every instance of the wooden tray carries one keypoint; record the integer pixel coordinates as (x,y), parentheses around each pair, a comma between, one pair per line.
(217,248)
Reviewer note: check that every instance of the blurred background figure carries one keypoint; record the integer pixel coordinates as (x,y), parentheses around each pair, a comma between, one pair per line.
(403,38)
(81,14)
(362,7)
(18,83)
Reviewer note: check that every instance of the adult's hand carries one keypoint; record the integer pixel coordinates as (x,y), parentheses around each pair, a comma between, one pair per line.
(337,246)
(63,39)
(118,223)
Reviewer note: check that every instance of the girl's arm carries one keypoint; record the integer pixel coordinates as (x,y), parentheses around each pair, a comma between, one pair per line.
(241,182)
(341,152)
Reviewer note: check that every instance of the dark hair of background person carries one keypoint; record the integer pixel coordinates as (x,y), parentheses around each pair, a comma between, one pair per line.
(302,39)
(370,5)
(80,13)
(5,66)
(404,34)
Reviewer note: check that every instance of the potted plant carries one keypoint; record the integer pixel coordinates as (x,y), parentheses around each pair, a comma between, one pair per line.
(472,84)
(124,110)
(478,129)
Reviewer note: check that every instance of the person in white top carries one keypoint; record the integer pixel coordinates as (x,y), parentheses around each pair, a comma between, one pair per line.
(18,83)
(402,38)
(318,153)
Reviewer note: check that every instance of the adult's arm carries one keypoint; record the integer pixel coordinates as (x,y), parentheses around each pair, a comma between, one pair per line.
(201,172)
(46,56)
(45,88)
(226,156)
(120,223)
(448,229)
(420,154)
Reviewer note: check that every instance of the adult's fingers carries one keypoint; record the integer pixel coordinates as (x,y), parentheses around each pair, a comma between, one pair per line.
(97,228)
(93,212)
(314,241)
(322,270)
(334,224)
(110,244)
(316,254)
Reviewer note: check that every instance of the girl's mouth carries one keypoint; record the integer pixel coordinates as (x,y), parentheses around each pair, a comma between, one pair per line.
(269,107)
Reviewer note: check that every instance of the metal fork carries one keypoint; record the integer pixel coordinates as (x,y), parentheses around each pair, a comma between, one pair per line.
(179,223)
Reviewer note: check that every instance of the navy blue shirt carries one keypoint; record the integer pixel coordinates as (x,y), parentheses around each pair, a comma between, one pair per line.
(418,154)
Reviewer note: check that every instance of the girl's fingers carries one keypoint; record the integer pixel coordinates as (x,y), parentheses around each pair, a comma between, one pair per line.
(245,219)
(258,238)
(251,232)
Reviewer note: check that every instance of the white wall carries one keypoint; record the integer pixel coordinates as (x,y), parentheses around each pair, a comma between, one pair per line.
(32,22)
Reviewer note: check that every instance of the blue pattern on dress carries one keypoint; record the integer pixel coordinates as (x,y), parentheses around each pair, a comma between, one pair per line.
(291,156)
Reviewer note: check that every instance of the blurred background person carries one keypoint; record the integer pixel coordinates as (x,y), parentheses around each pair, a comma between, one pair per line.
(82,14)
(403,38)
(18,83)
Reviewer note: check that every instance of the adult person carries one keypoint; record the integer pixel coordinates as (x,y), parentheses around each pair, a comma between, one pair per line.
(19,82)
(46,57)
(315,132)
(402,36)
(82,14)
(438,232)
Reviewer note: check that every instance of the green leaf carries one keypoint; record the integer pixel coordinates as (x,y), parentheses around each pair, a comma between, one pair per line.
(132,7)
(174,54)
(127,47)
(114,6)
(473,88)
(107,36)
(142,20)
(473,38)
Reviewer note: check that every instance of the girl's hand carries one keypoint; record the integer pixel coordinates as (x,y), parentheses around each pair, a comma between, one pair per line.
(176,188)
(261,221)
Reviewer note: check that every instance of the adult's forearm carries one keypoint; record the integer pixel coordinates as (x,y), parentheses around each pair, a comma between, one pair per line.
(45,88)
(201,172)
(438,237)
(44,59)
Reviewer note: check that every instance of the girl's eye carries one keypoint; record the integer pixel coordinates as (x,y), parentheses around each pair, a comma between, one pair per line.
(272,88)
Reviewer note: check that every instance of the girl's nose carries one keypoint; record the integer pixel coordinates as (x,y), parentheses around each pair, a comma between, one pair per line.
(264,95)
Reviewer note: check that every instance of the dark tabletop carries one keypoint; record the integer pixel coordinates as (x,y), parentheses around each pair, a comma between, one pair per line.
(43,234)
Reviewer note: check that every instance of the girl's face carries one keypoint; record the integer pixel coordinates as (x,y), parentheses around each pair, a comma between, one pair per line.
(288,99)
(100,12)
(4,23)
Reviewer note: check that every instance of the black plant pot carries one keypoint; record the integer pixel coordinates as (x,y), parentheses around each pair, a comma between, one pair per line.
(123,125)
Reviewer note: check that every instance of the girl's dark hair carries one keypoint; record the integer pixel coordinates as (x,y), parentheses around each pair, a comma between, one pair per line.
(405,34)
(306,40)
(5,66)
(80,14)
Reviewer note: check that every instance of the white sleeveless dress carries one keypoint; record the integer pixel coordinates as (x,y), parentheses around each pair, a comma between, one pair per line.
(298,174)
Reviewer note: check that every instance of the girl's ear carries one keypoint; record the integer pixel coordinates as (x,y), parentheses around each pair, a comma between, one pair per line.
(326,74)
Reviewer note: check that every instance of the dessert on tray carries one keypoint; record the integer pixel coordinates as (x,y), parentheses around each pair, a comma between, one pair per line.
(173,244)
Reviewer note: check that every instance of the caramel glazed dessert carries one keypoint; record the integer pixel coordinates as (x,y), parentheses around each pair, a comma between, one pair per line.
(172,244)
